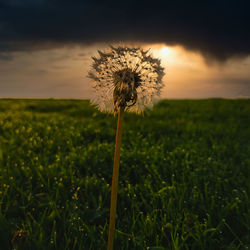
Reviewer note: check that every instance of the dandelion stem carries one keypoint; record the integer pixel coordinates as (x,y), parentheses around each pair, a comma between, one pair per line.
(113,200)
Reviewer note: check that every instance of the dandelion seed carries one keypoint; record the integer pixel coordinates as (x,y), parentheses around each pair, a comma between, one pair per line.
(125,77)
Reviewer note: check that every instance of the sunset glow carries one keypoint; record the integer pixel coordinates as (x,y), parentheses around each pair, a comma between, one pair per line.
(61,73)
(174,76)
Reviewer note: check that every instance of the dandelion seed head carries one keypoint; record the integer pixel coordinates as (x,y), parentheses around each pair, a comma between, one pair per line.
(125,77)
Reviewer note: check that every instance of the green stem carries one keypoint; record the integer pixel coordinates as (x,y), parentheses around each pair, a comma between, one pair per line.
(114,188)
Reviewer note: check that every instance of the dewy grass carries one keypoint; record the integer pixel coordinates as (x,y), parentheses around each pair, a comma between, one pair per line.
(135,78)
(184,176)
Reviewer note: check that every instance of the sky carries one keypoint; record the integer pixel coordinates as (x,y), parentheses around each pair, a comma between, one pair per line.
(46,45)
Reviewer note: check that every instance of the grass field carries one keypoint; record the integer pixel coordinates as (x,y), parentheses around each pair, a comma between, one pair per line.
(184,175)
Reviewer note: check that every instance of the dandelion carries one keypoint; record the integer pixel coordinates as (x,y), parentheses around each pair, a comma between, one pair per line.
(124,79)
(127,78)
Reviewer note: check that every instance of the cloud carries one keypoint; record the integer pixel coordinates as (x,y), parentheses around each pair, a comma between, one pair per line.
(5,57)
(217,29)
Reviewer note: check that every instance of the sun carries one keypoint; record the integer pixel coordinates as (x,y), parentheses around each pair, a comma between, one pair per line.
(164,51)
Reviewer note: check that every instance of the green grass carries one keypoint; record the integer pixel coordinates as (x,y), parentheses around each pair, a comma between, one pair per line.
(183,184)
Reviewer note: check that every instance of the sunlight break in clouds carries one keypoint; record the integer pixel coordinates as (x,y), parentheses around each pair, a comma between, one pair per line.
(61,73)
(188,75)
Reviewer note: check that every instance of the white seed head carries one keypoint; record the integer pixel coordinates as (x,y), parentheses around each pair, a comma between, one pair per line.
(125,77)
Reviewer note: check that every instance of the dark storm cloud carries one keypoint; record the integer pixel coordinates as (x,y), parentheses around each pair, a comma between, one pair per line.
(218,29)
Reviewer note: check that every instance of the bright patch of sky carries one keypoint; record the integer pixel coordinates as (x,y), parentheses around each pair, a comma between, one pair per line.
(61,73)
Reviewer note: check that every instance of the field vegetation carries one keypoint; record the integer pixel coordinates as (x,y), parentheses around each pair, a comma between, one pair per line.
(183,184)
